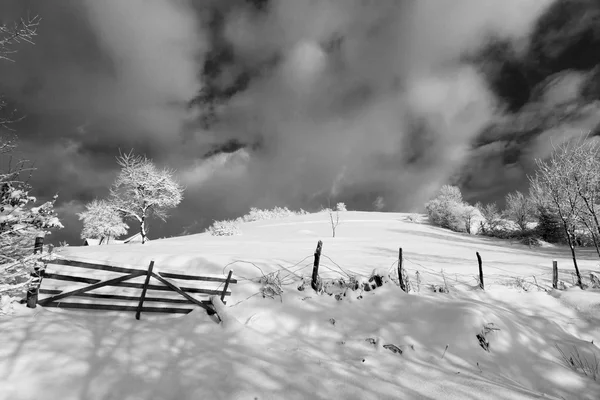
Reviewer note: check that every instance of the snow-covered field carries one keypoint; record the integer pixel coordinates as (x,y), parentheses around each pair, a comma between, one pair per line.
(305,345)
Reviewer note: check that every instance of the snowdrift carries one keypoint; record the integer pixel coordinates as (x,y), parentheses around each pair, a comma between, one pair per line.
(382,344)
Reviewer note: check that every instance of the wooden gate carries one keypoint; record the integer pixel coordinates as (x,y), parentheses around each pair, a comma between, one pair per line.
(117,288)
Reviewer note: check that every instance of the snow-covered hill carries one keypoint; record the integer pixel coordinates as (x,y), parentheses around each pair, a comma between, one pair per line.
(304,345)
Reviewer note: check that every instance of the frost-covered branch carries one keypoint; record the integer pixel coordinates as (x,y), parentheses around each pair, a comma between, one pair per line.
(22,31)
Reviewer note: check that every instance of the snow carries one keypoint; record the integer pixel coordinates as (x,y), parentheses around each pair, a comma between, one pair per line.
(305,345)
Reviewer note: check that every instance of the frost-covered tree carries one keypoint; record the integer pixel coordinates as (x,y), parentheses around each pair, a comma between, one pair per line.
(20,220)
(519,209)
(492,223)
(583,159)
(102,221)
(468,213)
(447,209)
(141,190)
(554,188)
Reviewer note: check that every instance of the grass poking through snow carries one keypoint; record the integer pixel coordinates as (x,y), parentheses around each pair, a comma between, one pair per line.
(581,364)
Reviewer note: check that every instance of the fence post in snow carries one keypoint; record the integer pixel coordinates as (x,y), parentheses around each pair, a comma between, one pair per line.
(480,271)
(144,289)
(32,291)
(554,274)
(400,274)
(226,286)
(315,274)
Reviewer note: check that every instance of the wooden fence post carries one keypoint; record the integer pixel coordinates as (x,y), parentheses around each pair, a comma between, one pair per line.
(480,271)
(144,289)
(315,274)
(226,286)
(38,247)
(32,291)
(554,274)
(400,274)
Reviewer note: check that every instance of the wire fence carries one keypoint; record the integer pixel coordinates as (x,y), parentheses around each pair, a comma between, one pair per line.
(420,275)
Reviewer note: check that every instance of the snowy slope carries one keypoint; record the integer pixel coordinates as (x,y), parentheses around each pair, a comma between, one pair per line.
(305,345)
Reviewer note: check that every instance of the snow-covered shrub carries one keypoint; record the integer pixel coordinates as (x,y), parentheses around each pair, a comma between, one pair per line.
(449,211)
(594,280)
(531,241)
(20,223)
(378,204)
(256,214)
(469,216)
(492,223)
(341,207)
(339,287)
(520,209)
(224,228)
(101,220)
(412,218)
(231,227)
(271,285)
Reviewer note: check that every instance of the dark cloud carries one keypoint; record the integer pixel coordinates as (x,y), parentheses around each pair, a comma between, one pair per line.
(352,97)
(548,85)
(292,101)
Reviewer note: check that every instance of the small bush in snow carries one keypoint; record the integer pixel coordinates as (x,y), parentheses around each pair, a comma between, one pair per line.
(341,207)
(271,286)
(378,204)
(412,218)
(231,227)
(101,220)
(521,284)
(492,223)
(520,209)
(448,210)
(334,219)
(256,214)
(482,336)
(224,228)
(531,241)
(594,280)
(340,287)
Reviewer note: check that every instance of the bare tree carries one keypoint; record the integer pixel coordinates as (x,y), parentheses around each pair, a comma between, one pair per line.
(554,187)
(334,216)
(519,209)
(102,221)
(141,190)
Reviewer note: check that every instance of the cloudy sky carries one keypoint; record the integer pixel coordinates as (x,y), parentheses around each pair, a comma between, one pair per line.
(276,102)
